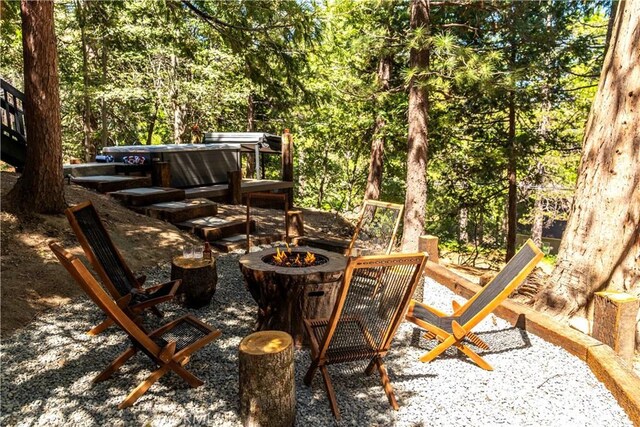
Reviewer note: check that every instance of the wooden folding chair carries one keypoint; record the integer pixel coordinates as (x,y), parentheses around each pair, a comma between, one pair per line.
(114,272)
(169,347)
(370,306)
(455,330)
(377,227)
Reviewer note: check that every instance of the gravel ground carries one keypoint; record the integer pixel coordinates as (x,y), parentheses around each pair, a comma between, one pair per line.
(47,370)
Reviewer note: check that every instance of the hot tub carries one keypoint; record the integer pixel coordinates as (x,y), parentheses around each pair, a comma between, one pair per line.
(191,164)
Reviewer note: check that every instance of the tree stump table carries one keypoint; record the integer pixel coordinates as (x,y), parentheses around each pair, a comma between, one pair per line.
(199,278)
(288,295)
(267,380)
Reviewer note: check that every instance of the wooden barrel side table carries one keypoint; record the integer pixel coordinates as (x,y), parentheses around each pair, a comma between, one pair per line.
(199,278)
(267,379)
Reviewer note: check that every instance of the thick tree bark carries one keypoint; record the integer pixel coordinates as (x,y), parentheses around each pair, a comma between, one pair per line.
(601,245)
(376,163)
(418,144)
(463,221)
(40,188)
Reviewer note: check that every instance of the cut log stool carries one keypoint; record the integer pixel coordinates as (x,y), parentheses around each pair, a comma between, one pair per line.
(199,278)
(267,380)
(614,321)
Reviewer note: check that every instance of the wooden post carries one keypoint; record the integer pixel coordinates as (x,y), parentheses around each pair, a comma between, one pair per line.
(267,380)
(614,321)
(287,163)
(429,244)
(161,174)
(296,223)
(235,187)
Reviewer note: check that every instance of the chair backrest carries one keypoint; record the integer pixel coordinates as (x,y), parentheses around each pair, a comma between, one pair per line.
(377,227)
(371,303)
(100,250)
(92,288)
(498,289)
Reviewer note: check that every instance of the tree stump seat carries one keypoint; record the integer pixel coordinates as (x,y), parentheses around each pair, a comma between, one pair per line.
(267,380)
(199,278)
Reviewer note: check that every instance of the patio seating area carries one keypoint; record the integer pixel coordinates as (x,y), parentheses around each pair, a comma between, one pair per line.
(533,382)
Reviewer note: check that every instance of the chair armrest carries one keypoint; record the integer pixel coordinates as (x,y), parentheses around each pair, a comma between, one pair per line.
(173,285)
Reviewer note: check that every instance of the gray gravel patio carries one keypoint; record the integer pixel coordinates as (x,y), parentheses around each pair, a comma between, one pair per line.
(47,370)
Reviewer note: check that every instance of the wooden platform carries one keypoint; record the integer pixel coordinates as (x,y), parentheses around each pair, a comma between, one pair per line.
(220,191)
(328,244)
(89,169)
(175,212)
(147,196)
(109,183)
(211,228)
(239,241)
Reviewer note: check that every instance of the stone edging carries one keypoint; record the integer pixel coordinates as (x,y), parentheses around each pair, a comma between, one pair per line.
(608,367)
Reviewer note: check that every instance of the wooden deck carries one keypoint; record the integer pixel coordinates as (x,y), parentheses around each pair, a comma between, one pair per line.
(248,186)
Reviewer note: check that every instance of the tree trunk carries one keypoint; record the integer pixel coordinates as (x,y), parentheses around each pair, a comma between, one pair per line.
(152,123)
(40,188)
(376,163)
(537,223)
(104,131)
(176,106)
(463,220)
(600,246)
(512,198)
(251,158)
(88,116)
(418,144)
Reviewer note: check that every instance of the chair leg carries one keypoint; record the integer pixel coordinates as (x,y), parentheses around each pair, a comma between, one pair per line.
(330,392)
(310,373)
(370,367)
(143,387)
(101,327)
(113,366)
(474,356)
(155,310)
(388,389)
(438,350)
(186,375)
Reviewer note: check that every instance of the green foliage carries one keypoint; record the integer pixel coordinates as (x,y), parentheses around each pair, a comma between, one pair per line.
(154,69)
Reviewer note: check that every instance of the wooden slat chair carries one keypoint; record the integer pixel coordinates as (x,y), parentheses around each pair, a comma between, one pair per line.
(169,346)
(367,313)
(454,329)
(114,272)
(376,228)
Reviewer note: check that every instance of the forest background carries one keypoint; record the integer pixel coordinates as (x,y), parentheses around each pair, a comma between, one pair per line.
(509,83)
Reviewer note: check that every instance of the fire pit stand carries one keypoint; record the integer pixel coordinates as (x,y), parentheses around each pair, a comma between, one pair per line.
(287,295)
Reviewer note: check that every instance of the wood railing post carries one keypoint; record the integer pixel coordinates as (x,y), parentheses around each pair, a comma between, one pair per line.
(614,321)
(235,187)
(161,174)
(429,244)
(287,163)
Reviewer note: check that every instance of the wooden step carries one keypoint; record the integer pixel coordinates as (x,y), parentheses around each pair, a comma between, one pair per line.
(109,183)
(239,241)
(212,228)
(147,196)
(175,212)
